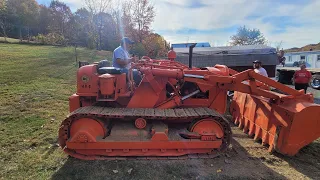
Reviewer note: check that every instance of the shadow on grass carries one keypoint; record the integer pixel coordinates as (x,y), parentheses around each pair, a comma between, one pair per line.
(235,163)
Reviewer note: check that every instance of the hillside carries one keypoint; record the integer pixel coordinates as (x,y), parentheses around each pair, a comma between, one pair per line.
(304,48)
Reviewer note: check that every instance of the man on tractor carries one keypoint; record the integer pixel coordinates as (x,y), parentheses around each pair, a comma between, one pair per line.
(121,58)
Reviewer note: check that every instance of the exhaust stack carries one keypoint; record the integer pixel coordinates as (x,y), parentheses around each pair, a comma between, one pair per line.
(190,54)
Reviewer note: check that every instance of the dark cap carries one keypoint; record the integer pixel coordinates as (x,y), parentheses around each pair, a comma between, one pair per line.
(257,61)
(126,40)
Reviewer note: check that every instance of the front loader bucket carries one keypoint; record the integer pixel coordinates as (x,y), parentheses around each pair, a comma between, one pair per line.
(286,125)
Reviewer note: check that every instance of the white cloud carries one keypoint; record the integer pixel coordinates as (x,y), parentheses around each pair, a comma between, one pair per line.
(75,4)
(224,14)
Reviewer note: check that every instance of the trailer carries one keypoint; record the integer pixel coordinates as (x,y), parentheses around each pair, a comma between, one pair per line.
(238,58)
(293,60)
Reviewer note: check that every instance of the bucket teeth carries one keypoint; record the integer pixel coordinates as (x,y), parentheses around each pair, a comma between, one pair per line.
(265,138)
(235,119)
(257,134)
(251,130)
(278,123)
(241,123)
(271,149)
(246,126)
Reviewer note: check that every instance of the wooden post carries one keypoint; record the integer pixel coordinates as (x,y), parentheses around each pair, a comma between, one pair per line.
(75,52)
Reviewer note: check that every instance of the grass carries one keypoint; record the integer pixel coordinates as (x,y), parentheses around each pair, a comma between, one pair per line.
(35,84)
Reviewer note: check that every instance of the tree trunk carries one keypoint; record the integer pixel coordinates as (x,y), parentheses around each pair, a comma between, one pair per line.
(3,27)
(20,33)
(140,36)
(28,34)
(100,33)
(62,29)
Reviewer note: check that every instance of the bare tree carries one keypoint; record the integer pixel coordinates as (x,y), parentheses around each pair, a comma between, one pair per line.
(143,14)
(61,15)
(278,46)
(137,16)
(97,8)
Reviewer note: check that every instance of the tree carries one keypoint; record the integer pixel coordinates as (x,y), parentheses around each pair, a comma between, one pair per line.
(246,36)
(80,28)
(138,49)
(135,22)
(96,26)
(125,24)
(24,13)
(60,16)
(107,32)
(97,8)
(155,45)
(278,46)
(138,15)
(143,16)
(3,18)
(44,19)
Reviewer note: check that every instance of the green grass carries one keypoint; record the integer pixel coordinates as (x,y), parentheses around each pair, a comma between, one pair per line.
(35,84)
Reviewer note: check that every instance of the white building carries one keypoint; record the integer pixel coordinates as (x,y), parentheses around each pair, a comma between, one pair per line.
(310,58)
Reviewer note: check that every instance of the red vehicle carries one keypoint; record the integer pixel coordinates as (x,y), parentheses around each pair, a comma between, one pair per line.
(172,110)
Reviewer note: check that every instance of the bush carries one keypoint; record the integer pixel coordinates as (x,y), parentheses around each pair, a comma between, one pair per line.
(138,49)
(51,39)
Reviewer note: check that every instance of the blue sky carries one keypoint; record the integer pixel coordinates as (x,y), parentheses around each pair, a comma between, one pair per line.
(293,22)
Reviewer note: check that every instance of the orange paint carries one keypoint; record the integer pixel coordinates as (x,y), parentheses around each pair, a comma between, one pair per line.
(151,118)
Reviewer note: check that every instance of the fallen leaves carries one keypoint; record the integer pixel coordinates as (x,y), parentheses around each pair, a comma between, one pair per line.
(130,170)
(115,171)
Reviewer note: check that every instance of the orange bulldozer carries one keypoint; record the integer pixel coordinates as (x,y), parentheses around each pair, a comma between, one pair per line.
(162,109)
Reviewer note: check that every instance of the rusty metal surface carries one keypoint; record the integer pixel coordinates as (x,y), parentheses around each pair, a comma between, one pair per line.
(181,113)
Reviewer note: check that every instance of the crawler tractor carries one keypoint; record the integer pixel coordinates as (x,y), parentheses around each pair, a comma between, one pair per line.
(165,109)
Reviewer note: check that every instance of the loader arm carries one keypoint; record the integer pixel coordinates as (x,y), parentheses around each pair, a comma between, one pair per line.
(247,82)
(253,83)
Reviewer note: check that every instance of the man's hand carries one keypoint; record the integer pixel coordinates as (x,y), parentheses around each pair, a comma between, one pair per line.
(134,59)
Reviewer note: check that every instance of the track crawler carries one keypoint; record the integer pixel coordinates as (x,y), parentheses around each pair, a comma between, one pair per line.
(163,109)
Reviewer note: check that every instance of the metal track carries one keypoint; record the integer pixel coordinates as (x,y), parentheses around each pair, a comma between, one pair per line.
(191,114)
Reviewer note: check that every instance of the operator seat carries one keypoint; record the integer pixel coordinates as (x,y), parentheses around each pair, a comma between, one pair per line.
(104,67)
(109,70)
